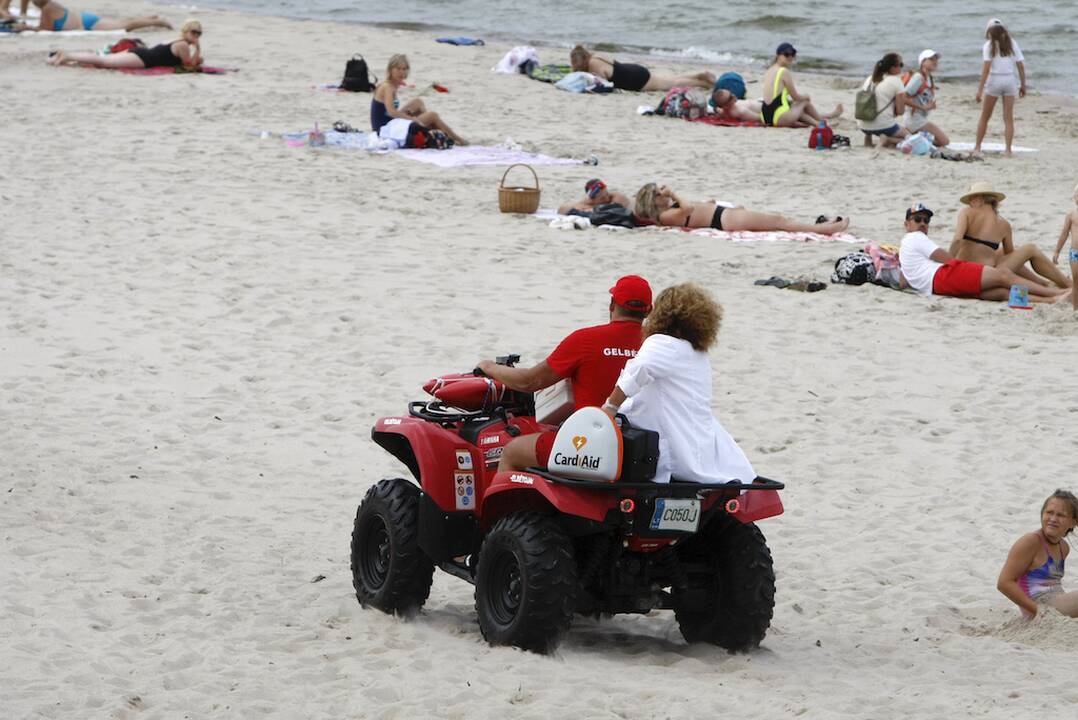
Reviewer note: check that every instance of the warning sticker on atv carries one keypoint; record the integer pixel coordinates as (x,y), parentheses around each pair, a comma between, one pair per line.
(683,515)
(465,482)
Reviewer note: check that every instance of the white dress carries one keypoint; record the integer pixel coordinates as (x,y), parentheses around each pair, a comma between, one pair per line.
(668,385)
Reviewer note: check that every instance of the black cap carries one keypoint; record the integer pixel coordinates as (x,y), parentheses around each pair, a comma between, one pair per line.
(786,49)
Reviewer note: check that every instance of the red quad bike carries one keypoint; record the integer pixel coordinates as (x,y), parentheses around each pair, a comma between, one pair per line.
(540,547)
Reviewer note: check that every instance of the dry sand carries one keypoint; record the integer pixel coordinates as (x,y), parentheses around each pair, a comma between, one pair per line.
(200,327)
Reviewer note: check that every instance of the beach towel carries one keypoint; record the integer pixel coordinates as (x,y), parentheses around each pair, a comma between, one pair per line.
(65,33)
(990,147)
(204,70)
(460,40)
(706,119)
(548,73)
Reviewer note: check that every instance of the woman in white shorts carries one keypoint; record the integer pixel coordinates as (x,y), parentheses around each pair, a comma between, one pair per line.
(1003,76)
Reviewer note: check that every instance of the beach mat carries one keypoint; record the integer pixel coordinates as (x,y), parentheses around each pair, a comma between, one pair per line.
(204,70)
(725,122)
(470,155)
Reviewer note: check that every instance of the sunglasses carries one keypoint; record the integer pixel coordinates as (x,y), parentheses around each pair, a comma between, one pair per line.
(921,219)
(196,33)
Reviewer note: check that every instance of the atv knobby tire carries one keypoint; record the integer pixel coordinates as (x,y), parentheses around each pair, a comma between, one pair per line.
(389,571)
(525,583)
(735,571)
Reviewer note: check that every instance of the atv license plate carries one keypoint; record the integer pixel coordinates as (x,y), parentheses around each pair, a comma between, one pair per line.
(671,514)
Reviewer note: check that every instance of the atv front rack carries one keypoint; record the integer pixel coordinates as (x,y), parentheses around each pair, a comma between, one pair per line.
(676,488)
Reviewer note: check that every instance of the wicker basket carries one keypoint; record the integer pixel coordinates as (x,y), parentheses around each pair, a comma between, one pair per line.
(516,199)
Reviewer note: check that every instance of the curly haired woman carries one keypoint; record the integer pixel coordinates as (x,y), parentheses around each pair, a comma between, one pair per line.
(667,388)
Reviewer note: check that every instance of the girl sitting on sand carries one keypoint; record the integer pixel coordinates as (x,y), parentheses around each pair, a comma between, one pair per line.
(1070,227)
(185,52)
(661,205)
(1002,76)
(983,236)
(783,106)
(632,77)
(890,101)
(667,388)
(56,17)
(1033,573)
(385,105)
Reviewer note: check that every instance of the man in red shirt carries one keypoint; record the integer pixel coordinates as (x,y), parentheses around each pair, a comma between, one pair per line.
(591,358)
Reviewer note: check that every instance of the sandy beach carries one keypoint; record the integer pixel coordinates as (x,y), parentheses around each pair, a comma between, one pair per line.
(200,327)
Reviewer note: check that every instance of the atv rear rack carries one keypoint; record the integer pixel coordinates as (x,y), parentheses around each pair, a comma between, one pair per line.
(676,488)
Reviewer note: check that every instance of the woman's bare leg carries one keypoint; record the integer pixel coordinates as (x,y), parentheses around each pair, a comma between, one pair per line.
(414,107)
(1044,267)
(742,220)
(941,138)
(1008,120)
(119,60)
(130,24)
(431,119)
(666,82)
(1066,603)
(1074,277)
(988,106)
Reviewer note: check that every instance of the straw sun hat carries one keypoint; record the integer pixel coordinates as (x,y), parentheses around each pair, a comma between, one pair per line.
(982,188)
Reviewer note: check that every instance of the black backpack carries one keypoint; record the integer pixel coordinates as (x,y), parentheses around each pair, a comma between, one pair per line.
(357,77)
(612,214)
(855,268)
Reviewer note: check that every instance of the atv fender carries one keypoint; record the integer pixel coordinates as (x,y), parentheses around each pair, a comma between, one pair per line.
(514,491)
(755,505)
(431,453)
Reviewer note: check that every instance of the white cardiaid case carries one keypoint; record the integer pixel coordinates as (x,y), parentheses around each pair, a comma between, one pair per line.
(587,447)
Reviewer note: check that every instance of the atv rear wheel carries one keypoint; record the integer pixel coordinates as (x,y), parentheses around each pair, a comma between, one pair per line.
(525,583)
(731,593)
(389,571)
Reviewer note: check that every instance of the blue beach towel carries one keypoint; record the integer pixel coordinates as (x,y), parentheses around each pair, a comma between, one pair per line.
(461,40)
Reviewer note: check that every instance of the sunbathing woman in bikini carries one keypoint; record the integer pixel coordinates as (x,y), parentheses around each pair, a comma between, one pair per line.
(983,236)
(783,105)
(56,17)
(661,205)
(633,77)
(184,52)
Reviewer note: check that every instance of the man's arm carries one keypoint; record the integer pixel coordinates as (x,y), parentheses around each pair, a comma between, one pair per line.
(530,379)
(940,255)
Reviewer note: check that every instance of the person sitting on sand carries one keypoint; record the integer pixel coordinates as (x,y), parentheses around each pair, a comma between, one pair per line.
(1032,575)
(931,270)
(595,194)
(920,98)
(633,77)
(661,205)
(56,17)
(890,102)
(385,105)
(782,105)
(185,52)
(667,387)
(982,236)
(1070,229)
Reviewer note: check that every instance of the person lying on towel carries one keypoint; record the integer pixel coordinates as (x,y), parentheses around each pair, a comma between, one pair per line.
(184,52)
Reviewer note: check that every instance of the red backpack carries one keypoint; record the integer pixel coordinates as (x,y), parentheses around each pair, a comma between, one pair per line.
(821,136)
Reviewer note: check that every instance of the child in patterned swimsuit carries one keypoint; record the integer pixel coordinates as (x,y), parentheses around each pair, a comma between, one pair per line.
(1033,573)
(1070,227)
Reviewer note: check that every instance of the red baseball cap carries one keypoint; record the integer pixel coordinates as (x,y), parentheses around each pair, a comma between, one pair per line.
(632,292)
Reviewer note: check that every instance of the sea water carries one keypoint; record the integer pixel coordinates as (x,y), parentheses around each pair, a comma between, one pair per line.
(831,36)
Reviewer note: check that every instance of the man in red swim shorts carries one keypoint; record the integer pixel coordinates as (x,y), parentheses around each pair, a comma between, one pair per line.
(591,358)
(931,270)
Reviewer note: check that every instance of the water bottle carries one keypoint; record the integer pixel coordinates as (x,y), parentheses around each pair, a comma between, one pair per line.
(820,134)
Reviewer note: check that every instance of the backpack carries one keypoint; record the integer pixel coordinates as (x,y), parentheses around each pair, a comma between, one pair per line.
(357,77)
(821,136)
(612,214)
(855,268)
(865,105)
(682,102)
(424,138)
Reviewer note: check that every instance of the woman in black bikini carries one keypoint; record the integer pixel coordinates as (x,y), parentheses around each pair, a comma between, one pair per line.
(982,236)
(661,205)
(632,77)
(185,52)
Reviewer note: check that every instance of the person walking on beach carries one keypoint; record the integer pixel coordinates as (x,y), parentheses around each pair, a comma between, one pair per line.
(385,105)
(590,358)
(1003,75)
(56,17)
(931,270)
(920,98)
(633,77)
(1032,576)
(890,95)
(1070,227)
(186,52)
(783,106)
(983,236)
(662,206)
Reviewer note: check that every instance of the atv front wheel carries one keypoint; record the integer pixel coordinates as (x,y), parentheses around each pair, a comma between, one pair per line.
(389,571)
(730,596)
(525,583)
